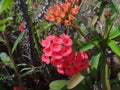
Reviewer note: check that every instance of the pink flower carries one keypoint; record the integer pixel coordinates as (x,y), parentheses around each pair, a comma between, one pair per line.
(66,51)
(56,47)
(67,63)
(21,27)
(70,71)
(67,42)
(47,51)
(56,62)
(46,43)
(60,70)
(57,40)
(57,55)
(58,52)
(64,36)
(45,59)
(50,38)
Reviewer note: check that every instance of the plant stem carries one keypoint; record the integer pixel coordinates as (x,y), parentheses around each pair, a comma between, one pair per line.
(76,27)
(11,57)
(106,29)
(104,73)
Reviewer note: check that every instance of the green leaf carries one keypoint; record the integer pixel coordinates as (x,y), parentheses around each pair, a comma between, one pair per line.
(86,46)
(3,21)
(29,72)
(115,87)
(57,84)
(111,19)
(115,33)
(114,46)
(47,26)
(23,64)
(95,61)
(18,41)
(5,4)
(114,6)
(6,59)
(1,39)
(74,81)
(2,28)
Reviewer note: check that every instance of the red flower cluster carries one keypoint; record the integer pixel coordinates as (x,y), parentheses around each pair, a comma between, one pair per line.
(63,13)
(21,27)
(58,52)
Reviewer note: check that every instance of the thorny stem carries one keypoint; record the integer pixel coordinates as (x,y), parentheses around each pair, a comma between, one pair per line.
(11,57)
(76,27)
(104,73)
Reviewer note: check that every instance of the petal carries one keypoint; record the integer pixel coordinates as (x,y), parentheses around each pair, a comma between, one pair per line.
(56,62)
(67,42)
(57,7)
(56,47)
(51,10)
(50,38)
(60,70)
(45,59)
(66,51)
(67,22)
(71,17)
(58,20)
(49,17)
(57,55)
(47,51)
(46,43)
(57,40)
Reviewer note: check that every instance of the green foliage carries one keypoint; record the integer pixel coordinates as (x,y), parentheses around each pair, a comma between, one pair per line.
(2,28)
(98,26)
(18,41)
(1,39)
(114,6)
(115,33)
(6,59)
(29,72)
(114,46)
(2,23)
(5,4)
(86,45)
(95,61)
(58,85)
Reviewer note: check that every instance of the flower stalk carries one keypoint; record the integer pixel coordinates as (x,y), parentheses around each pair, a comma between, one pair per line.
(78,28)
(11,57)
(104,70)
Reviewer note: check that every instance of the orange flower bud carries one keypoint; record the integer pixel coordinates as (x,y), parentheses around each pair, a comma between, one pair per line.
(57,7)
(58,20)
(75,10)
(71,17)
(65,6)
(67,22)
(62,14)
(51,10)
(56,13)
(49,17)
